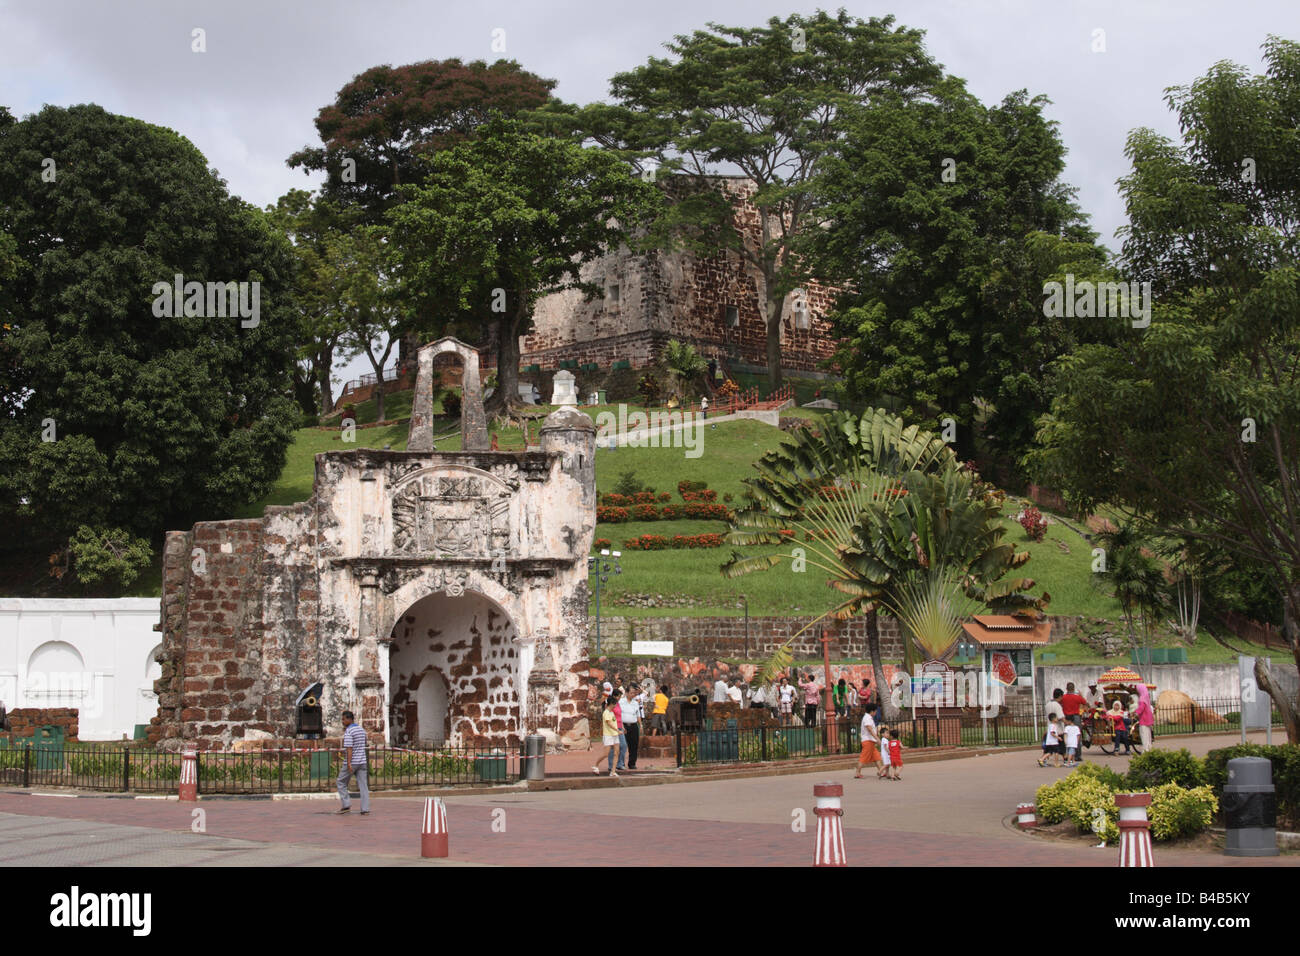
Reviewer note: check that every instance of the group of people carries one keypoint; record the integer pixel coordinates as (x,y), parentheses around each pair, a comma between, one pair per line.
(620,721)
(1068,710)
(782,697)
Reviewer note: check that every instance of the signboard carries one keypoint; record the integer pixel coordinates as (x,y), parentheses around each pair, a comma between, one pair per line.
(931,684)
(653,648)
(1002,668)
(1256,705)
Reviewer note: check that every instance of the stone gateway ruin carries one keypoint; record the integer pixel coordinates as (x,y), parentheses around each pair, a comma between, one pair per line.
(441,596)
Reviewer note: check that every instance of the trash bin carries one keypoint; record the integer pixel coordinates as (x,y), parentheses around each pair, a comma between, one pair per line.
(318,767)
(802,741)
(48,744)
(491,768)
(600,397)
(1250,808)
(534,761)
(719,746)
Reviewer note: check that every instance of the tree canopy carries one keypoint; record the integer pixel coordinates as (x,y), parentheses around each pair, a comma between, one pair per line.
(504,218)
(764,102)
(1193,424)
(944,220)
(113,416)
(387,118)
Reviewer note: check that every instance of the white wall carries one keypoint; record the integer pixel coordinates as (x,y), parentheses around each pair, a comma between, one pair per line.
(95,655)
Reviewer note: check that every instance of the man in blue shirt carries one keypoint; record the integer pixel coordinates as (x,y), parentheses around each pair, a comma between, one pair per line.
(354,762)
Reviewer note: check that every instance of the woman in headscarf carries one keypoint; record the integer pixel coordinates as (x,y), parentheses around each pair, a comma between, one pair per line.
(1145,715)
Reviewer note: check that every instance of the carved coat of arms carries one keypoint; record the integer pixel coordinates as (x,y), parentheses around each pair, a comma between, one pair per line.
(453,515)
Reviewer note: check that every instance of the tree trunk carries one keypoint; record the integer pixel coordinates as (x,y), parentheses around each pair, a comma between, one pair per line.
(1289,708)
(878,668)
(506,395)
(773,334)
(324,361)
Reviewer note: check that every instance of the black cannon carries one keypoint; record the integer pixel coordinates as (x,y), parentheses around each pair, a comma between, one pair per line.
(311,717)
(685,713)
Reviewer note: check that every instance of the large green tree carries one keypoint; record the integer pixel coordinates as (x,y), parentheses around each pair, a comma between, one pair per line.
(1193,424)
(314,226)
(945,218)
(113,416)
(387,121)
(505,218)
(764,102)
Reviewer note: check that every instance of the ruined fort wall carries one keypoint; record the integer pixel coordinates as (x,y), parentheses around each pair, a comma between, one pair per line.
(664,295)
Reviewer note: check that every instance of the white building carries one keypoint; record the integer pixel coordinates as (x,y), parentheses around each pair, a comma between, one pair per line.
(97,655)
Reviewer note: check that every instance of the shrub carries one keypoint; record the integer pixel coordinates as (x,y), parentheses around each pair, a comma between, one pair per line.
(1156,768)
(1103,773)
(646,497)
(1178,811)
(647,542)
(451,405)
(628,483)
(684,486)
(644,512)
(1035,525)
(665,497)
(1077,798)
(697,541)
(600,543)
(613,515)
(670,512)
(727,497)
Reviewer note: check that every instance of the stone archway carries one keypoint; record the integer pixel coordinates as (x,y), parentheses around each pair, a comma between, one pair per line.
(469,642)
(473,420)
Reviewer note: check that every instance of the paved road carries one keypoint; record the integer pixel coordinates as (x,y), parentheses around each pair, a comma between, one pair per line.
(943,813)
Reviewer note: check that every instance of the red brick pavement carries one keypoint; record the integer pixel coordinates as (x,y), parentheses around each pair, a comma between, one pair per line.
(554,837)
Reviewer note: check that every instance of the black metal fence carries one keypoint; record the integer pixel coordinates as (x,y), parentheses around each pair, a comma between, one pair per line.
(1015,723)
(132,769)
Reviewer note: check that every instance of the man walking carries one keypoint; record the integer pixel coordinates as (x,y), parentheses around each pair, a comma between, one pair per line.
(354,762)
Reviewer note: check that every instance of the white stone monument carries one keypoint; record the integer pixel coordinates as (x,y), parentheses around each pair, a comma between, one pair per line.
(564,391)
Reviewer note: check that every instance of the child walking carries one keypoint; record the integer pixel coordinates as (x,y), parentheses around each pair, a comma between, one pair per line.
(896,757)
(886,741)
(1072,735)
(1051,744)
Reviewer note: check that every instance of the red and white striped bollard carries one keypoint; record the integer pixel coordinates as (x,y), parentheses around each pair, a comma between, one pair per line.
(433,834)
(189,788)
(1134,829)
(830,825)
(1026,816)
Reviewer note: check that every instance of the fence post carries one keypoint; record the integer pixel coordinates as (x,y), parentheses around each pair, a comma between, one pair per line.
(678,730)
(280,769)
(126,770)
(27,765)
(995,731)
(1193,709)
(762,743)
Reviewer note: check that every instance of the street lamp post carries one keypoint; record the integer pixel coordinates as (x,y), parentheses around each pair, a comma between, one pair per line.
(602,569)
(746,602)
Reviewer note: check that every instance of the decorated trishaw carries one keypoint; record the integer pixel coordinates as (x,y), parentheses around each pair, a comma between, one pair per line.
(1106,725)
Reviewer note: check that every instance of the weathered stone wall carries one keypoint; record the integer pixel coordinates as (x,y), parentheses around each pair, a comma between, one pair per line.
(27,721)
(677,295)
(323,590)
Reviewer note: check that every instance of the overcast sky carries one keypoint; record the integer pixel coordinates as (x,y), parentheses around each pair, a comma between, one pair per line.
(250,99)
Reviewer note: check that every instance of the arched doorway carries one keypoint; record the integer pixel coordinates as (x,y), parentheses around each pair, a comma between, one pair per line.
(431,710)
(453,673)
